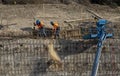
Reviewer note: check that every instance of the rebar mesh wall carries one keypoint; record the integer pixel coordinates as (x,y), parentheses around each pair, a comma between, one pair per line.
(28,57)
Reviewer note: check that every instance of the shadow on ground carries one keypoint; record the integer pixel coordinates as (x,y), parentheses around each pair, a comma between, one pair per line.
(70,47)
(28,29)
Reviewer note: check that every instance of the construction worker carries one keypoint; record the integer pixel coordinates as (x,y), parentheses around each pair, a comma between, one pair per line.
(41,28)
(56,29)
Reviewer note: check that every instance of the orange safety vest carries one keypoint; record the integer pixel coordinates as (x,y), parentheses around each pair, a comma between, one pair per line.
(55,26)
(40,25)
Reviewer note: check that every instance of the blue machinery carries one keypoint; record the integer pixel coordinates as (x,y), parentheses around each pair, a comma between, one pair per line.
(101,35)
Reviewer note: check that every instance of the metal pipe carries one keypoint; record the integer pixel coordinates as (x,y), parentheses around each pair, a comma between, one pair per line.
(97,58)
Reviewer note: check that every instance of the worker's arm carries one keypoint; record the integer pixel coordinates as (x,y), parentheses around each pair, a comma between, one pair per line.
(34,24)
(54,29)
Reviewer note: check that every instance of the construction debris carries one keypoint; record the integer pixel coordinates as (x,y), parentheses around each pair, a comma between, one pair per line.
(53,54)
(55,63)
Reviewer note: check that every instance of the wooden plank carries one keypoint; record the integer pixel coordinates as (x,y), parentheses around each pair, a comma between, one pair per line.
(82,20)
(94,14)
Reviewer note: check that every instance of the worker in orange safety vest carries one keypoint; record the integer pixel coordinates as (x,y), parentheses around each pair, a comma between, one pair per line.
(41,28)
(56,29)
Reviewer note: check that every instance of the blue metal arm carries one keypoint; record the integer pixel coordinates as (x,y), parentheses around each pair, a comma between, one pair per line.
(101,36)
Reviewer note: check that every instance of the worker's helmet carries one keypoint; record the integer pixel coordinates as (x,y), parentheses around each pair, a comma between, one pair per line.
(52,23)
(37,22)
